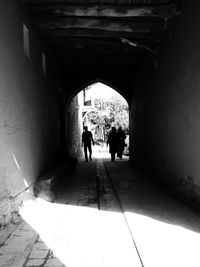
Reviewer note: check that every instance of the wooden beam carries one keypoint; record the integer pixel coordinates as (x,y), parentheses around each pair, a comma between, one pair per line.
(108,46)
(99,34)
(84,41)
(88,2)
(122,11)
(96,24)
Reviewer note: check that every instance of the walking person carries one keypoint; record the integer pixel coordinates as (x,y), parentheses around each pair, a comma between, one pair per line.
(113,143)
(121,140)
(87,141)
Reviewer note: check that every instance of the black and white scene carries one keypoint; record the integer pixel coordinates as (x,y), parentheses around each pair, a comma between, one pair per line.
(99,133)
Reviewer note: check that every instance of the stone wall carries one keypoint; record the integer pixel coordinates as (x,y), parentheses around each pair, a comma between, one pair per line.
(74,129)
(28,109)
(167,120)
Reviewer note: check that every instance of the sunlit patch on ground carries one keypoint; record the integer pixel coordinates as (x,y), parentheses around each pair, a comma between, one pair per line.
(162,244)
(80,236)
(100,152)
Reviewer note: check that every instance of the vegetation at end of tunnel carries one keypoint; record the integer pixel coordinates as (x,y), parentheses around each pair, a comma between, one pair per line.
(109,113)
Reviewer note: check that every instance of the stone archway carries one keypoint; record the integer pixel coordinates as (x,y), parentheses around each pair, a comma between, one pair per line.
(77,110)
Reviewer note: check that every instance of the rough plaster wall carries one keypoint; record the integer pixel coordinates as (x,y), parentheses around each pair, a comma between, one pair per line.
(73,129)
(27,109)
(168,117)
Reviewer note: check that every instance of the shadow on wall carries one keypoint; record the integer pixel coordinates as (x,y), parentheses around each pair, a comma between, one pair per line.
(73,142)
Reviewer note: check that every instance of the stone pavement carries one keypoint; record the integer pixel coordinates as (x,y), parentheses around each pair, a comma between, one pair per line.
(22,247)
(105,214)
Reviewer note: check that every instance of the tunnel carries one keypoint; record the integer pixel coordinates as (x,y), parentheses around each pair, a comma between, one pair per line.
(148,51)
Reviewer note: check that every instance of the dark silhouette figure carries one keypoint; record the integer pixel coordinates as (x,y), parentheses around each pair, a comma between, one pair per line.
(121,140)
(87,140)
(113,143)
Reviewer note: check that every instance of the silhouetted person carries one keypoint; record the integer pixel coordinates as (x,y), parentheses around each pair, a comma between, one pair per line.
(113,143)
(87,140)
(121,142)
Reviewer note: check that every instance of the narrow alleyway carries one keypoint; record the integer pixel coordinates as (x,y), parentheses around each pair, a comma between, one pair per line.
(105,214)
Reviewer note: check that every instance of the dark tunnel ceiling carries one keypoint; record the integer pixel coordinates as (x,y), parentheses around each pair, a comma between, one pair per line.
(101,33)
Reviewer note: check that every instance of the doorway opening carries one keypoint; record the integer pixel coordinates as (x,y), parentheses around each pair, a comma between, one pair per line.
(100,108)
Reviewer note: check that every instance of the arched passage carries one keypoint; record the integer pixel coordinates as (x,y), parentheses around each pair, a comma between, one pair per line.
(100,106)
(85,84)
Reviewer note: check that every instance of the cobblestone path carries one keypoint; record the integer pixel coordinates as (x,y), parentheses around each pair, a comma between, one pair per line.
(105,214)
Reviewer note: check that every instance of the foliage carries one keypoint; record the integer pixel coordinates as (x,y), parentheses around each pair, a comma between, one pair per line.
(110,112)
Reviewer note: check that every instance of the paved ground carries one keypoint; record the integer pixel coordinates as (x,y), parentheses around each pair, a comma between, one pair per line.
(105,214)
